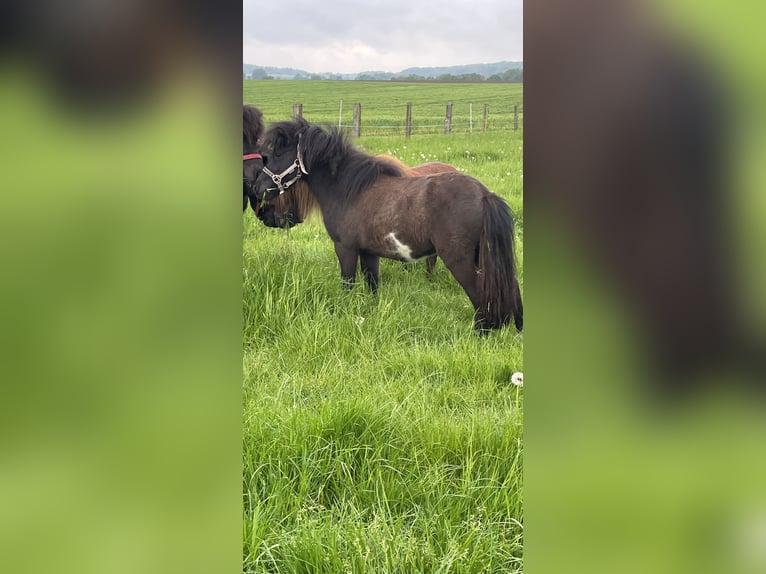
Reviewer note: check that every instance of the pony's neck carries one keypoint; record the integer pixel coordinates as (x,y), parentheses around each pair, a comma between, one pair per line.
(342,173)
(323,184)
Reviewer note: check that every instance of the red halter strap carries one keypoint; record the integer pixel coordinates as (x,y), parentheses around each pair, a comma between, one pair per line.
(248,156)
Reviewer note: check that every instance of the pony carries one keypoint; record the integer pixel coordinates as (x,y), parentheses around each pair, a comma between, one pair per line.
(372,209)
(298,203)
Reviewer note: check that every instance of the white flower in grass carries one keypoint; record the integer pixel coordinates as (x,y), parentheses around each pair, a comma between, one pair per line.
(518,379)
(359,320)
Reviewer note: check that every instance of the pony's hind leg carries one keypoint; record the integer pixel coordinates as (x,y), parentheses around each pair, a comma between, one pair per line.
(430,263)
(371,269)
(347,259)
(464,271)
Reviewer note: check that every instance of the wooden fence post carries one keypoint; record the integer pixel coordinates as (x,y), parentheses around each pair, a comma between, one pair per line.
(448,119)
(484,117)
(297,111)
(357,120)
(408,121)
(515,118)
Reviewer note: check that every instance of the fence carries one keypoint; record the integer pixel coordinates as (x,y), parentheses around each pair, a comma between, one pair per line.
(460,118)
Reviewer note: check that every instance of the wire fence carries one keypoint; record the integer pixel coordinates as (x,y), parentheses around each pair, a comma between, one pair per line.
(422,118)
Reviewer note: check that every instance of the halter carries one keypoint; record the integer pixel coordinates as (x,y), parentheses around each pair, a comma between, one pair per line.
(296,165)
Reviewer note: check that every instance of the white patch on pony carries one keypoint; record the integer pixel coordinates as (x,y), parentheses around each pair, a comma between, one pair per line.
(404,251)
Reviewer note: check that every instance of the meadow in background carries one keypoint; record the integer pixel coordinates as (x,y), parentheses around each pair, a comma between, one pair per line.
(384,104)
(381,434)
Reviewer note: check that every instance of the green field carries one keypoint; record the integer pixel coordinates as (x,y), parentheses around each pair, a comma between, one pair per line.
(383,104)
(380,433)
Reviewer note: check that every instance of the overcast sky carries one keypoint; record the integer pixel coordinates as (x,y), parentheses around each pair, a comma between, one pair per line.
(352,36)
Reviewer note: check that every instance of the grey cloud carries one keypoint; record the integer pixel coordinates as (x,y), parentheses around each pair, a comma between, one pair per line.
(452,30)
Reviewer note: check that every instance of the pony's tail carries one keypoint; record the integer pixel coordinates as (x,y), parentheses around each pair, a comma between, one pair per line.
(499,294)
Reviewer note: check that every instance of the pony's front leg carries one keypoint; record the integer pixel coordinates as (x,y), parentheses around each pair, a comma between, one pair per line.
(371,269)
(347,259)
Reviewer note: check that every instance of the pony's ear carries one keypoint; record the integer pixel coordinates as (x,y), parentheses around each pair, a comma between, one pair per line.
(279,140)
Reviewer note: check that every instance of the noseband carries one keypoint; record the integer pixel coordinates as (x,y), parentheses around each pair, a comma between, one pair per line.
(278,178)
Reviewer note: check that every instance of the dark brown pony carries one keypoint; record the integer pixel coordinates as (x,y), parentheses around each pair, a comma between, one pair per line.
(298,203)
(371,209)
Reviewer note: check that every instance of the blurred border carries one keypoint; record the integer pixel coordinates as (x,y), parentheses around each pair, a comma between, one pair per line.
(644,345)
(121,293)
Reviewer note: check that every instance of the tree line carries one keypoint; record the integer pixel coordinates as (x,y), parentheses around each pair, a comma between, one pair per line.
(510,75)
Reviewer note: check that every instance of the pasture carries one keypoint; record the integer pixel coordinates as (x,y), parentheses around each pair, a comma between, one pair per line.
(383,104)
(380,433)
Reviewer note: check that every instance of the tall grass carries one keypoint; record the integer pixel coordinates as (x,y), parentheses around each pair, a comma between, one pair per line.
(381,434)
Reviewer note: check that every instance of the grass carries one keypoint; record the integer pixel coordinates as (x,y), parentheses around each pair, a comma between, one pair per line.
(381,434)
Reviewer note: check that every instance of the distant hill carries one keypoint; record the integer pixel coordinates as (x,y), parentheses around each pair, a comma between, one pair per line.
(478,71)
(482,69)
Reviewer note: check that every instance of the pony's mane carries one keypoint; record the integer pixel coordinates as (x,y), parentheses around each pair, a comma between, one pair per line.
(252,124)
(354,169)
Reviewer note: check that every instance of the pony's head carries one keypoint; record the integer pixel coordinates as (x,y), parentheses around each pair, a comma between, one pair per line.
(284,158)
(297,148)
(252,158)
